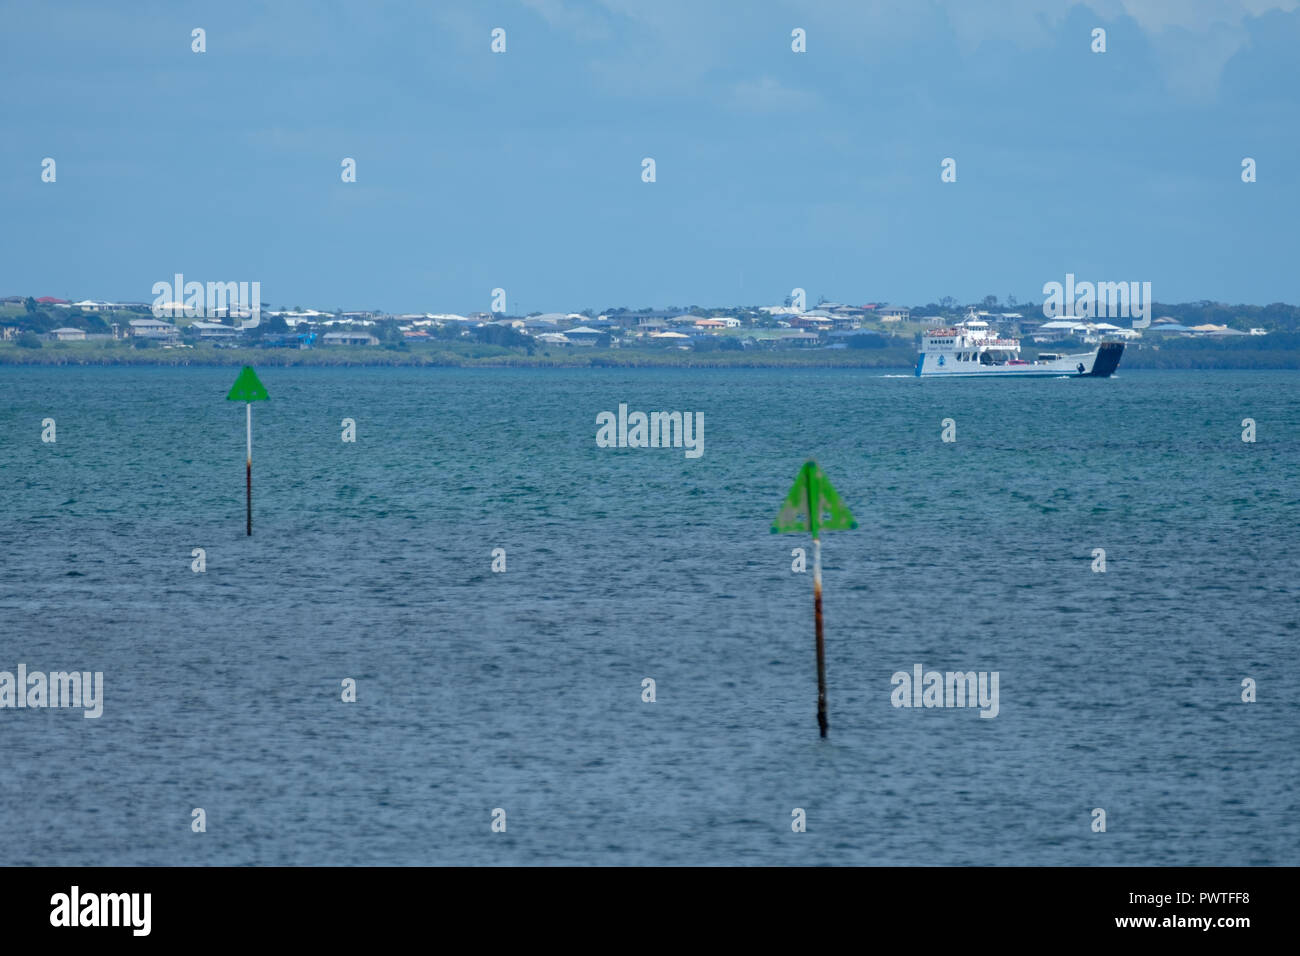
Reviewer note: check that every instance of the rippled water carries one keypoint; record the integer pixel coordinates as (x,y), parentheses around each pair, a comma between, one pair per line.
(522,690)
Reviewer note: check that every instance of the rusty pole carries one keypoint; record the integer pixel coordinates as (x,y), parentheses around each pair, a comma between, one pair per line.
(822,720)
(248,469)
(814,514)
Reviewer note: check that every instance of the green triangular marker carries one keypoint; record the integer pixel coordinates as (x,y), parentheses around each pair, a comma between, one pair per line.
(830,513)
(812,505)
(247,387)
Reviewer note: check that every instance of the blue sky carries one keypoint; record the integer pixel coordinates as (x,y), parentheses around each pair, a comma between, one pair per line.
(522,170)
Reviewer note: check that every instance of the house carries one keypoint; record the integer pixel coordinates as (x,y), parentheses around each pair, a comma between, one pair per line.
(894,313)
(553,338)
(538,324)
(295,319)
(67,335)
(215,330)
(798,339)
(447,318)
(155,329)
(583,335)
(1059,329)
(816,319)
(350,338)
(645,320)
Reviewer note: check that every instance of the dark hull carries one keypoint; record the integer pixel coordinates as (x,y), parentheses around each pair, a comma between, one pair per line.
(1107,360)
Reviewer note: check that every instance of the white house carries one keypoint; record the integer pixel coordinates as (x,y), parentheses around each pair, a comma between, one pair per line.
(68,335)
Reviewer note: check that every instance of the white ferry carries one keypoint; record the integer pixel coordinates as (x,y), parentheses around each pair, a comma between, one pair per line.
(972,348)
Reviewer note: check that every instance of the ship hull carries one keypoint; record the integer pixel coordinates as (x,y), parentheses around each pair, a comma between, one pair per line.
(1099,363)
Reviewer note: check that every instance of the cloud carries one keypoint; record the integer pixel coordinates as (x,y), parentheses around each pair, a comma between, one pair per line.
(1194,39)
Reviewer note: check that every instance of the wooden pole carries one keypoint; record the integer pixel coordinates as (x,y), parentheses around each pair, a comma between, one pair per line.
(814,515)
(248,472)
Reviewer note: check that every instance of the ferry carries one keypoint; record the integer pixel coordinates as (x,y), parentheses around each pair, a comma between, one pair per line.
(971,348)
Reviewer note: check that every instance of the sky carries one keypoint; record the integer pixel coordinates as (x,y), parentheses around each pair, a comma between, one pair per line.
(774,169)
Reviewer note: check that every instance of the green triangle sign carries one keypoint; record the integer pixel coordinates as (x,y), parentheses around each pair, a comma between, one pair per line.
(828,513)
(247,387)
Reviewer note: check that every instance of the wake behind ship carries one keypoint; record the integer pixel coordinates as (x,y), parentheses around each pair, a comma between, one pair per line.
(971,348)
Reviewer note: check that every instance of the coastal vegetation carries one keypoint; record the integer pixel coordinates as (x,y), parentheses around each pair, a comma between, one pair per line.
(28,339)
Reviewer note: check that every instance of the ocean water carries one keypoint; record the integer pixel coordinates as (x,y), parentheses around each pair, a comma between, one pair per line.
(522,690)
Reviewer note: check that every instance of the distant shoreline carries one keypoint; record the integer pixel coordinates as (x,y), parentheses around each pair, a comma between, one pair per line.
(898,355)
(892,359)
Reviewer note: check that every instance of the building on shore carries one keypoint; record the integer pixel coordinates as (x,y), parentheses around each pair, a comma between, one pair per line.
(215,331)
(154,329)
(583,335)
(350,338)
